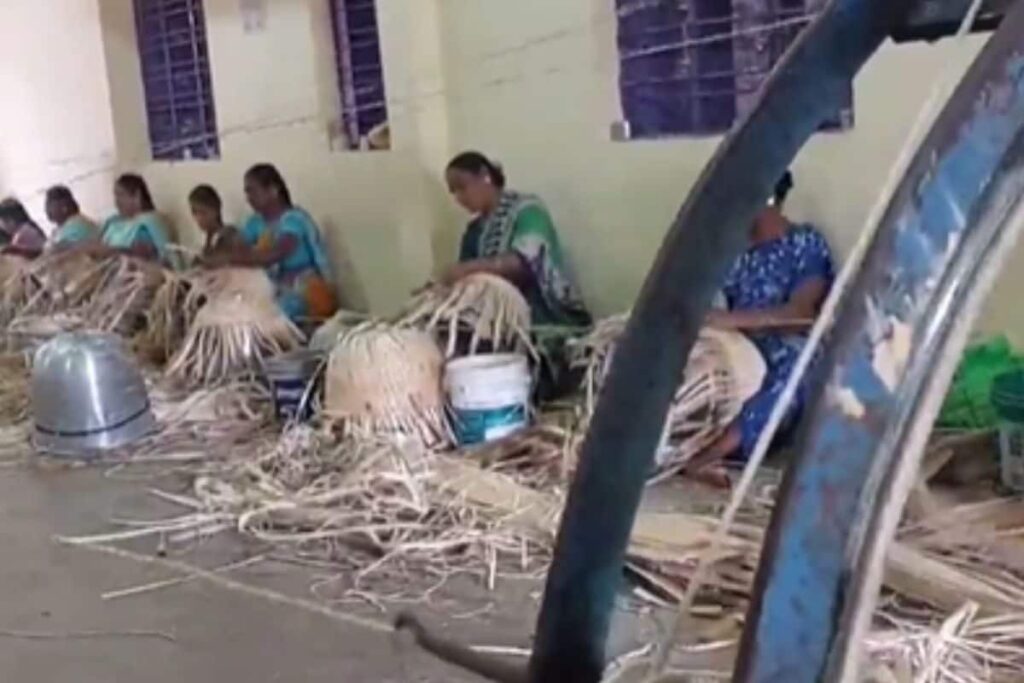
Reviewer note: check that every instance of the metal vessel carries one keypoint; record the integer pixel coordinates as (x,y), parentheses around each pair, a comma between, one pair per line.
(88,396)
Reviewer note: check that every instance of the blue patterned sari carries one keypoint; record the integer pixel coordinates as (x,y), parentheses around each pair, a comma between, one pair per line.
(766,276)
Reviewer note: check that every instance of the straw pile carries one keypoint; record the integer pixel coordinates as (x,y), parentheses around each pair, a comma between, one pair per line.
(724,370)
(486,312)
(13,286)
(63,291)
(384,381)
(383,509)
(175,305)
(965,647)
(238,324)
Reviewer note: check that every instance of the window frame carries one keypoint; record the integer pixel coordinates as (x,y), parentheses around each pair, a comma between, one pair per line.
(707,103)
(362,86)
(166,63)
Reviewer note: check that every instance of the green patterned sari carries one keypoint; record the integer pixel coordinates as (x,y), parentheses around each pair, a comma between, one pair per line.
(521,224)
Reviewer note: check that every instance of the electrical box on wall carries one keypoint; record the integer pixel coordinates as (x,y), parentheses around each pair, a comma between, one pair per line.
(254,15)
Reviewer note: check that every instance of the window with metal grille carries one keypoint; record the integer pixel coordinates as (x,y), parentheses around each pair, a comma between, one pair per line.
(176,79)
(692,67)
(364,106)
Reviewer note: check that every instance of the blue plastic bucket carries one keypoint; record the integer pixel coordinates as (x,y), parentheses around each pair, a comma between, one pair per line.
(488,396)
(290,377)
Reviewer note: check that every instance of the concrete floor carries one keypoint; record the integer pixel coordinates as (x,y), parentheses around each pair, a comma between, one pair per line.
(53,592)
(55,627)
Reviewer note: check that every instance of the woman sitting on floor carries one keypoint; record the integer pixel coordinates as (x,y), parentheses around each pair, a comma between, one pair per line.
(19,234)
(774,293)
(207,209)
(512,235)
(71,227)
(286,241)
(137,229)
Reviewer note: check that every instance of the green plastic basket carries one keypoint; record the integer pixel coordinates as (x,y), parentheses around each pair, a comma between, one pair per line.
(1008,397)
(969,404)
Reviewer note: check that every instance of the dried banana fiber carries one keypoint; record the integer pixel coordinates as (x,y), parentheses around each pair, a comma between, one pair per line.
(487,309)
(237,326)
(724,370)
(108,294)
(386,381)
(175,305)
(119,303)
(15,286)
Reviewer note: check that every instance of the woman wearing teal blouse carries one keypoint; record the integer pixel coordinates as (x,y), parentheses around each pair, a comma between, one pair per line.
(70,226)
(137,229)
(284,240)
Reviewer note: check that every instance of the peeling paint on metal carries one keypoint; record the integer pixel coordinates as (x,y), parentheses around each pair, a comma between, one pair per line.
(891,354)
(848,402)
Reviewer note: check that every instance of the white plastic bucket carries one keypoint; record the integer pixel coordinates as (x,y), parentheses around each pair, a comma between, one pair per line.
(489,396)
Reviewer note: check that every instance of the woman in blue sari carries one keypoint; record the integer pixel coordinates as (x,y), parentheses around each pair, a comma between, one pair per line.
(284,240)
(774,292)
(137,229)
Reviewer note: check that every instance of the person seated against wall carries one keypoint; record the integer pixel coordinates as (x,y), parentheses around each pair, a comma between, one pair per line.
(207,211)
(512,235)
(774,292)
(19,234)
(70,226)
(137,229)
(285,240)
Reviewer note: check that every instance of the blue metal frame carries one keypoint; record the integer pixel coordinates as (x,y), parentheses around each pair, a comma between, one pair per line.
(709,232)
(819,573)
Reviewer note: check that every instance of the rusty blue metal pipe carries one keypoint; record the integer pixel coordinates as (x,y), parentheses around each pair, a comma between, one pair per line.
(708,233)
(889,362)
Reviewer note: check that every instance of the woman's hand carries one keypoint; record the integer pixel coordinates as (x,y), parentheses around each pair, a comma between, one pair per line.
(217,259)
(722,320)
(454,273)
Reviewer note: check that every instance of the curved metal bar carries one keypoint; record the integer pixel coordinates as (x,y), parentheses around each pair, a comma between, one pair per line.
(891,357)
(709,232)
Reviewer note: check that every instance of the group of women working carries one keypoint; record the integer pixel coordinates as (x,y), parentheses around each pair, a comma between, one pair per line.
(279,237)
(773,292)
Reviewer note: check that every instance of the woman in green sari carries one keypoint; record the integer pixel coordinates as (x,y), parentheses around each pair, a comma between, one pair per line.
(136,229)
(512,235)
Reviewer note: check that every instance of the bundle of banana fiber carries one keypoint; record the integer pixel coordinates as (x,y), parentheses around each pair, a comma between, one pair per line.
(481,312)
(69,290)
(238,324)
(724,370)
(175,305)
(384,381)
(15,286)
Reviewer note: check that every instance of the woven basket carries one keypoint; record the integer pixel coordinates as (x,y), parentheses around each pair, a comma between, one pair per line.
(238,324)
(486,311)
(386,381)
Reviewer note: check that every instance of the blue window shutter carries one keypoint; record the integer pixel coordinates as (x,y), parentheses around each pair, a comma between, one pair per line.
(360,67)
(176,79)
(691,67)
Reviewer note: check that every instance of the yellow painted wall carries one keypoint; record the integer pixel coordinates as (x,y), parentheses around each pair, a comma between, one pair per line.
(55,123)
(539,95)
(276,98)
